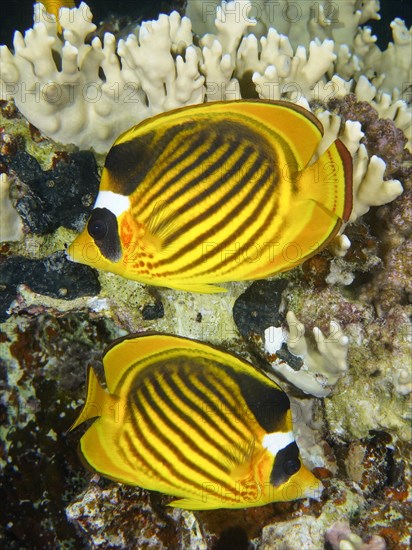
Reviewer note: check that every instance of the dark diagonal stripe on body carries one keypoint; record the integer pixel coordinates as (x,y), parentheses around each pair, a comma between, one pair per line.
(174,181)
(215,408)
(172,427)
(210,232)
(258,233)
(198,410)
(218,388)
(207,235)
(164,398)
(226,151)
(139,406)
(193,145)
(222,201)
(138,411)
(131,448)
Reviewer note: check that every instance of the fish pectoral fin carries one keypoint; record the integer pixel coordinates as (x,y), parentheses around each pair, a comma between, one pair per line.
(240,458)
(160,225)
(194,504)
(240,472)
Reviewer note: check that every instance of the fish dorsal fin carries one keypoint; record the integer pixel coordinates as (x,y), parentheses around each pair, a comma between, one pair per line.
(134,351)
(298,127)
(295,125)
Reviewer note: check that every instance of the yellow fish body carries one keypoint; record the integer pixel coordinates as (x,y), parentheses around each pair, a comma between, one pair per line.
(189,420)
(216,192)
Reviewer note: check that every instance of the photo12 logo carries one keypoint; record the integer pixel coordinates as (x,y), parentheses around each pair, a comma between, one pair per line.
(68,93)
(254,12)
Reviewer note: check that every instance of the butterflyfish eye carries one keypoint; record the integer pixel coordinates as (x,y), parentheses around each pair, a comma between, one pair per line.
(291,466)
(97,229)
(103,229)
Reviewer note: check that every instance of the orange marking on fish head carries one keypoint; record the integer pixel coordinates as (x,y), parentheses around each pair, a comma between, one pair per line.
(131,233)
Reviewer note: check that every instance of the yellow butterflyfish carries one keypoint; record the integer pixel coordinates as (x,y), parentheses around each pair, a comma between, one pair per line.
(189,420)
(216,192)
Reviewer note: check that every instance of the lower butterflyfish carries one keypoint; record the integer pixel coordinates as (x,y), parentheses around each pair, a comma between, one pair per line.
(189,420)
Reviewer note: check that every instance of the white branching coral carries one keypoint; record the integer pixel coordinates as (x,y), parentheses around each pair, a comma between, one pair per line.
(302,51)
(370,188)
(11,226)
(303,21)
(403,381)
(87,94)
(324,359)
(92,93)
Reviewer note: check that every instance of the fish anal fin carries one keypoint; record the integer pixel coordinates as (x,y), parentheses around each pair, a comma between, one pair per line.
(201,288)
(194,504)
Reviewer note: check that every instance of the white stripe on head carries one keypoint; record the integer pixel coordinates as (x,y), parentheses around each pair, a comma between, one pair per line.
(277,441)
(112,201)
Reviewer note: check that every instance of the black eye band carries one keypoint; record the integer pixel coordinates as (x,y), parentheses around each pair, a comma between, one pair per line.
(104,230)
(286,464)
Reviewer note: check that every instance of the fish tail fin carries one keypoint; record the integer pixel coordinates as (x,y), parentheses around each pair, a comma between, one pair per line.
(96,398)
(328,182)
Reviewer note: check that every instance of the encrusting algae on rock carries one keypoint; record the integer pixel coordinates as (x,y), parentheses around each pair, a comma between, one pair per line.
(351,300)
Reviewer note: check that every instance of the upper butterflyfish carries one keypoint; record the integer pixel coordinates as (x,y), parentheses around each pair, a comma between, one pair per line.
(216,192)
(189,420)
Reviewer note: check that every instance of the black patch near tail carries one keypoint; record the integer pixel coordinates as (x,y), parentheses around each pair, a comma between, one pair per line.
(268,404)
